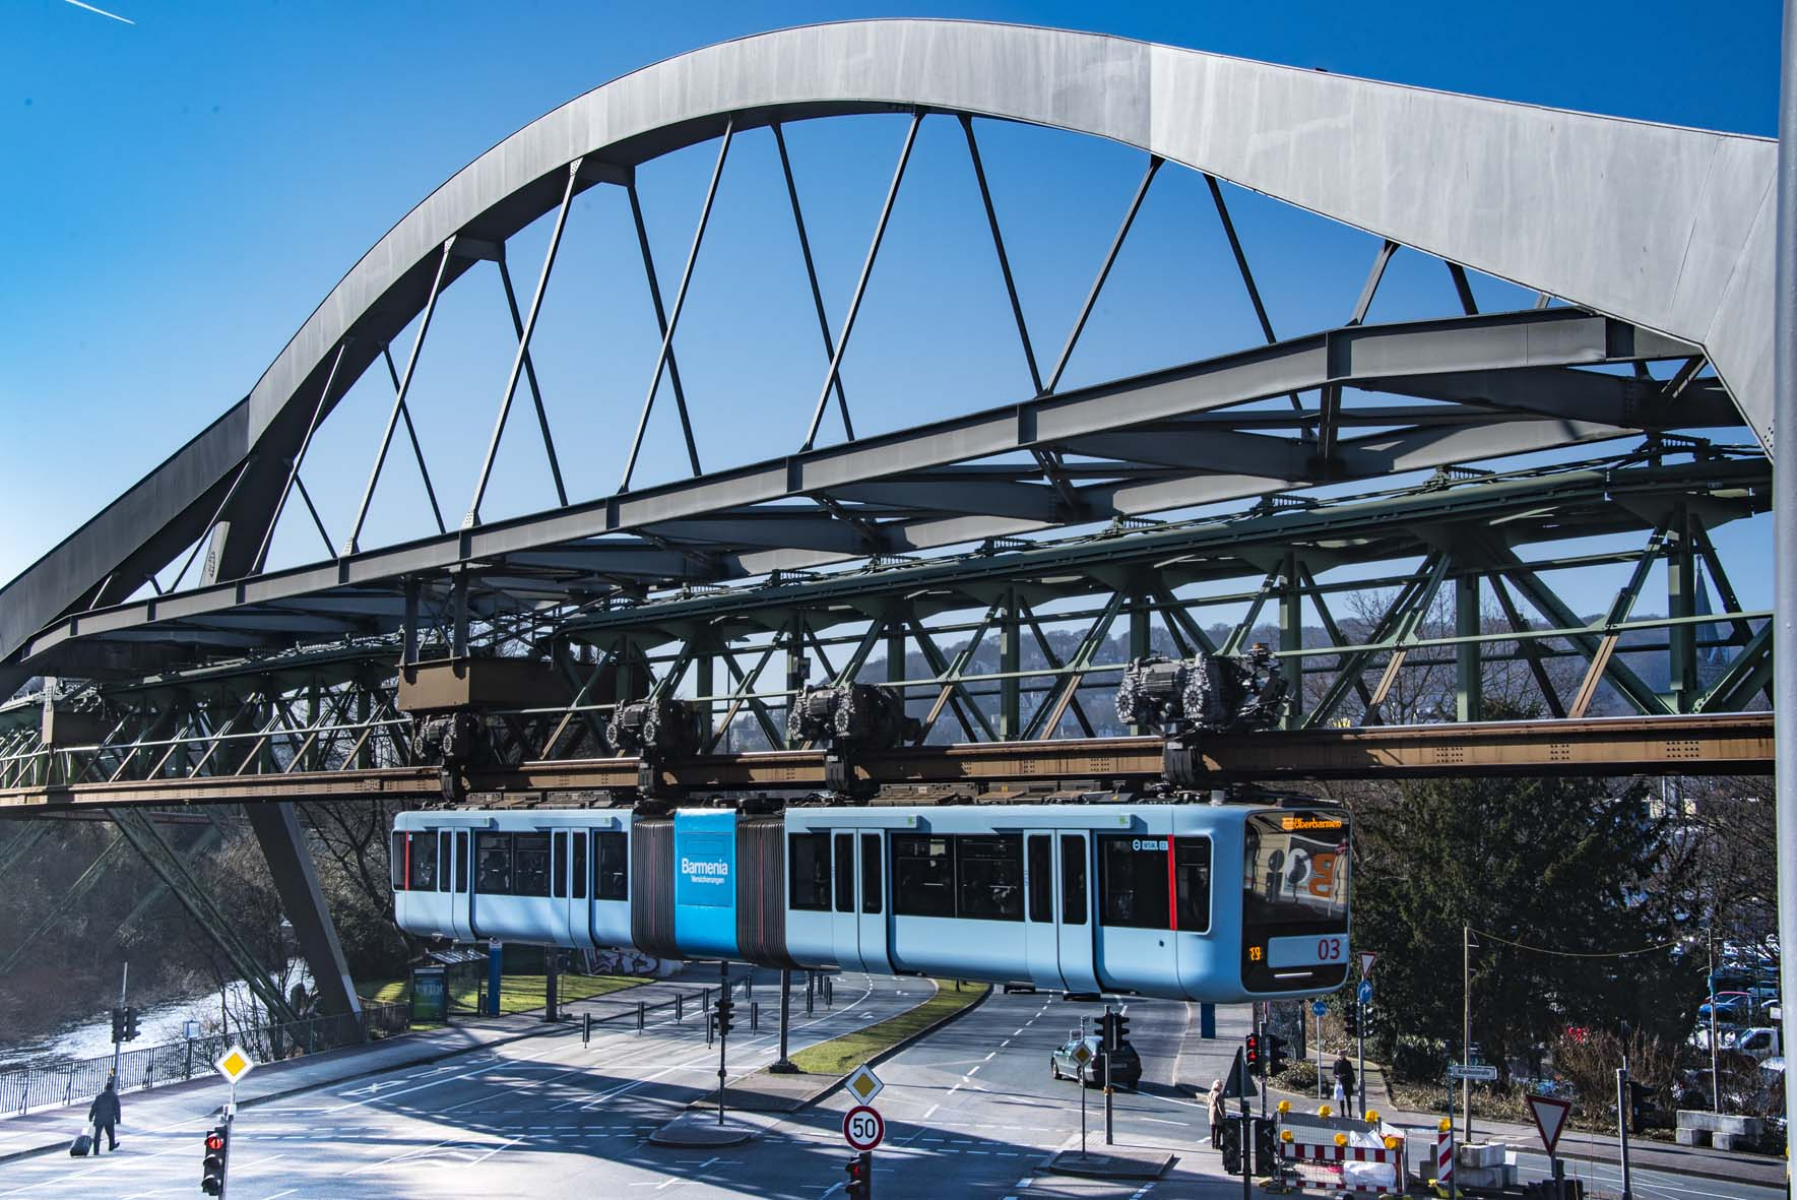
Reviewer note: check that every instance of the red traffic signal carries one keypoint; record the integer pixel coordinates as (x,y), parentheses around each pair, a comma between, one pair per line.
(860,1170)
(1253,1054)
(215,1141)
(218,1154)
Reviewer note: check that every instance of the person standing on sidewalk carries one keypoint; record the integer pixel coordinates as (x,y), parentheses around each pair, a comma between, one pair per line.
(104,1115)
(1214,1102)
(1344,1078)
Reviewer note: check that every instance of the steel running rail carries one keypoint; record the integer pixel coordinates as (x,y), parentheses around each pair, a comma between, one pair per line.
(1705,744)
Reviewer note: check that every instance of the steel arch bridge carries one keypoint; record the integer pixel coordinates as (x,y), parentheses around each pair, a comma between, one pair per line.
(1330,482)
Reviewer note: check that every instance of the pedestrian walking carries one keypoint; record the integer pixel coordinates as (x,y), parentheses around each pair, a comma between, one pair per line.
(1215,1103)
(103,1113)
(1344,1078)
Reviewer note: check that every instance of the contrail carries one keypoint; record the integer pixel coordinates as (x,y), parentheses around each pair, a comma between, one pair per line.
(101,11)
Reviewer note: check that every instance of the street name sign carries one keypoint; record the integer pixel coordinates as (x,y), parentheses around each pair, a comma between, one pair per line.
(1481,1071)
(863,1128)
(1550,1118)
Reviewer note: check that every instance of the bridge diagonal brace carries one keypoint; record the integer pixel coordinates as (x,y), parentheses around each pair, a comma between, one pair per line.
(283,842)
(169,867)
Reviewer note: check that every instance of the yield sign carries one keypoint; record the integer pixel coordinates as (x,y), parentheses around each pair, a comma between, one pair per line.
(1550,1118)
(1367,959)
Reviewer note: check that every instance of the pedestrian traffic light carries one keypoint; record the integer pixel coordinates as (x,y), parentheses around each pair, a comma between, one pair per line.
(218,1154)
(860,1171)
(1253,1054)
(130,1025)
(118,1026)
(1275,1048)
(725,1006)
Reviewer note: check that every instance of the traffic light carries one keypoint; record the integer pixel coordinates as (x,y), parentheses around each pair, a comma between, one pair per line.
(725,1006)
(1351,1019)
(118,1026)
(1253,1054)
(860,1171)
(218,1154)
(130,1025)
(1275,1047)
(1107,1030)
(1121,1022)
(1638,1093)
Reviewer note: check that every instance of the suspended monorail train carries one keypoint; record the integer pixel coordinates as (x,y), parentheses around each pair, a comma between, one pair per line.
(1209,902)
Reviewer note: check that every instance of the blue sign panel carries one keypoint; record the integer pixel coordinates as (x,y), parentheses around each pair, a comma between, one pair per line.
(1318,1007)
(705,884)
(1366,991)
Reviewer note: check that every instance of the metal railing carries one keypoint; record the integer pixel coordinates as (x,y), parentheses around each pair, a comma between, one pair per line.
(57,1084)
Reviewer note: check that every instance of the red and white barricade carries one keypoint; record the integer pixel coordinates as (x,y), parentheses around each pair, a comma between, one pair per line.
(1444,1159)
(1343,1158)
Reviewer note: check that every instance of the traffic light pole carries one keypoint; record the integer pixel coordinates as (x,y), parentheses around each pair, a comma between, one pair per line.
(722,1015)
(117,1038)
(1360,1052)
(1622,1124)
(1111,1041)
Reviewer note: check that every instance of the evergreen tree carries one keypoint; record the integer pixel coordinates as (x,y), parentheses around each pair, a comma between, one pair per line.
(1570,865)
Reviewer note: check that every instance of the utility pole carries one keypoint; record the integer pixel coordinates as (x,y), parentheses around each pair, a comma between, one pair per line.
(1622,1124)
(1466,1028)
(1710,987)
(117,1045)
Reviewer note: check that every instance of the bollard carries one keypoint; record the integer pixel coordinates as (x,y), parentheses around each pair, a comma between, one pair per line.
(586,1029)
(642,1015)
(754,1016)
(810,993)
(679,1008)
(704,1000)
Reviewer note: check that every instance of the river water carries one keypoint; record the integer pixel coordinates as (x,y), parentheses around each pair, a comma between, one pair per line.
(157,1024)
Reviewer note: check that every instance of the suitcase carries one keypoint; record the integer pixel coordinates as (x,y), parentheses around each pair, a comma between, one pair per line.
(81,1147)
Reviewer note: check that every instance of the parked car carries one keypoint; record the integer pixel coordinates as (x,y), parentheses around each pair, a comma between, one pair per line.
(1126,1070)
(1761,1042)
(1730,1006)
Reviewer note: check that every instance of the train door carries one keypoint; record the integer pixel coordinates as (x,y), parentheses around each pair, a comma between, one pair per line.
(1041,937)
(846,920)
(873,947)
(1078,966)
(580,873)
(461,895)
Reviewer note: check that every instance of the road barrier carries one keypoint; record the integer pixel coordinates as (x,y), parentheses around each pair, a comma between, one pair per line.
(1342,1156)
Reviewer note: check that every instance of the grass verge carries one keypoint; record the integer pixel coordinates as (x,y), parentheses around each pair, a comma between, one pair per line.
(517,993)
(840,1055)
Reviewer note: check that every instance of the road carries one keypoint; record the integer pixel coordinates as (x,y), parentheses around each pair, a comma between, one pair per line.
(970,1110)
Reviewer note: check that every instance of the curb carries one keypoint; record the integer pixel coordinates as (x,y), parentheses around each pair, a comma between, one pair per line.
(906,1043)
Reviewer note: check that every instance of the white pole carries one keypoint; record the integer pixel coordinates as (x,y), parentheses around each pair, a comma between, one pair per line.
(1784,510)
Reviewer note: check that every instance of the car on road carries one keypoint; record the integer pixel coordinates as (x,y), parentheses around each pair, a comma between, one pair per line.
(1126,1069)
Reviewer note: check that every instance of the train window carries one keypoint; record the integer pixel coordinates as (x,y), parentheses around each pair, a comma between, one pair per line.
(1191,870)
(443,844)
(809,856)
(462,859)
(530,875)
(1132,879)
(611,867)
(871,891)
(923,875)
(1041,878)
(845,872)
(989,872)
(558,871)
(397,861)
(493,866)
(1073,879)
(580,864)
(423,865)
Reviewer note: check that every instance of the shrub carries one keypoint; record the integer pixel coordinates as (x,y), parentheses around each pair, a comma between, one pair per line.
(1418,1060)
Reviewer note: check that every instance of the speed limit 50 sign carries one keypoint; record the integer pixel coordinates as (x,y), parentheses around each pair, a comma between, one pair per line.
(863,1128)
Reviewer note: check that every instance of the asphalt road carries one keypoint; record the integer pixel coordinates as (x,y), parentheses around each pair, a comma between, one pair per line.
(971,1112)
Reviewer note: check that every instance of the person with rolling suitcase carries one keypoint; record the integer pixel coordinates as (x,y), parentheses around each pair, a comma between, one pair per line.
(103,1114)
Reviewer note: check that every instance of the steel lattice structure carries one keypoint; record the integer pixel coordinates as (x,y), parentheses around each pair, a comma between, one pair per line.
(1053,520)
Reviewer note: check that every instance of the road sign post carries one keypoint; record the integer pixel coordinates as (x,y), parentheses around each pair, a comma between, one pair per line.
(1111,1042)
(1081,1056)
(1361,996)
(1317,1009)
(1550,1118)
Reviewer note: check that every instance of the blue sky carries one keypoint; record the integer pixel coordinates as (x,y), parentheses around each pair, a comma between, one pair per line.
(184,190)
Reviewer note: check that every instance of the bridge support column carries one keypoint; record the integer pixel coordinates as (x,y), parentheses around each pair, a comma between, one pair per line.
(1681,601)
(1291,638)
(1469,694)
(1010,661)
(283,844)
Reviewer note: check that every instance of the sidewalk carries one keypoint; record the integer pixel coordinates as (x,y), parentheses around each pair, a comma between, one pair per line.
(192,1104)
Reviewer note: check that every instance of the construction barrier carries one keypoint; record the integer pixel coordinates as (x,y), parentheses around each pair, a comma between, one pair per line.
(1444,1159)
(1342,1157)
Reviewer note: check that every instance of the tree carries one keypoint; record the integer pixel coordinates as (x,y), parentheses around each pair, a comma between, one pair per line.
(1572,866)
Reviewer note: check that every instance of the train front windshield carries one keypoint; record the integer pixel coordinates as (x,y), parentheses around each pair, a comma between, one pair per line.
(1295,901)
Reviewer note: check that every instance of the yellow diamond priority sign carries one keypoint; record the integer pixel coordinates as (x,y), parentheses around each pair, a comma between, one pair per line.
(234,1064)
(863,1085)
(1082,1054)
